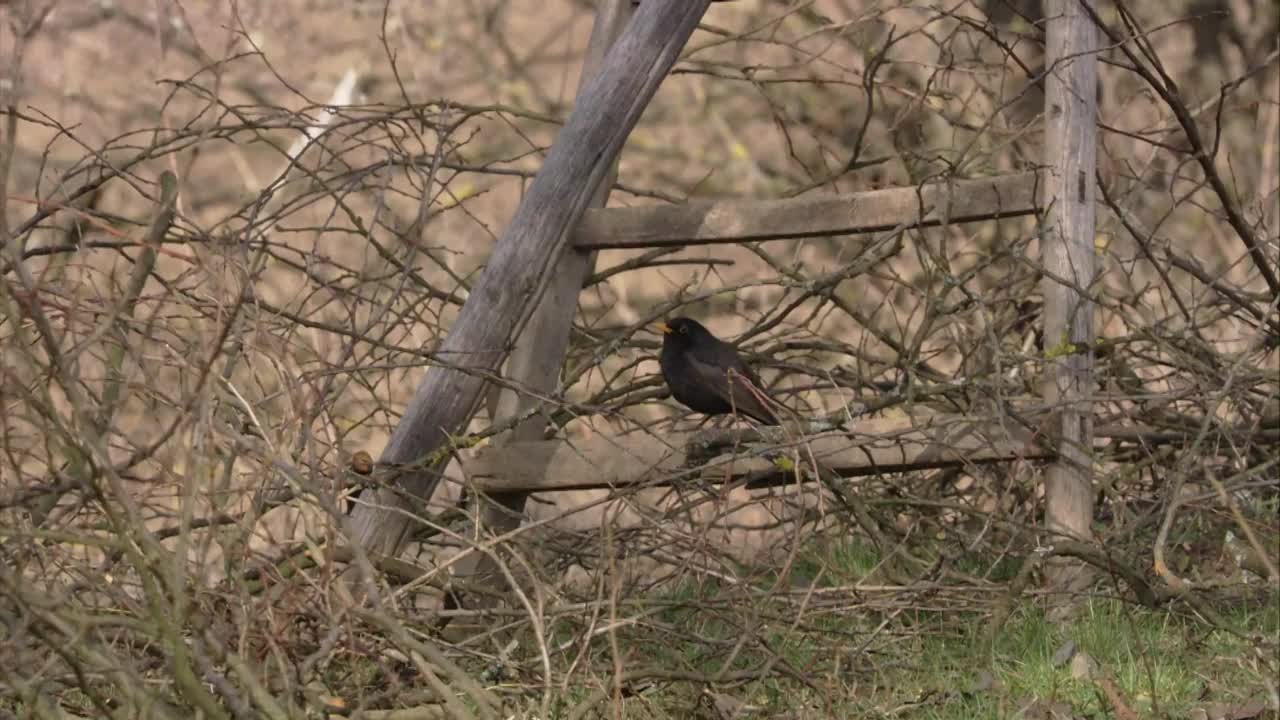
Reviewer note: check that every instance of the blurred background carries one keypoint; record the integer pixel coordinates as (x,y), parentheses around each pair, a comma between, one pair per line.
(344,170)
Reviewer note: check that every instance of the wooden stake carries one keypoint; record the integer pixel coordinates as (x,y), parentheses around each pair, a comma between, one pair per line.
(1071,116)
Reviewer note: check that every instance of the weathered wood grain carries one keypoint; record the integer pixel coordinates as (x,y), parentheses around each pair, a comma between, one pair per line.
(1071,116)
(533,370)
(730,221)
(520,268)
(882,445)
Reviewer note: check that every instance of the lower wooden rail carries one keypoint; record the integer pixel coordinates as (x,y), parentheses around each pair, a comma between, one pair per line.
(874,446)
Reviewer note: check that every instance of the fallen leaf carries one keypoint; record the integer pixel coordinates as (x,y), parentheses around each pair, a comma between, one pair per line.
(1083,667)
(1232,711)
(1064,653)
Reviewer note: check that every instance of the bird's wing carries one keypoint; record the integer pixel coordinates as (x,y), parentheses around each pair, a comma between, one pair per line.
(737,387)
(725,355)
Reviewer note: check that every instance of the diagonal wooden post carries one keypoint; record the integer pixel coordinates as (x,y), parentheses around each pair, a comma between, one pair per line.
(535,362)
(1071,110)
(520,268)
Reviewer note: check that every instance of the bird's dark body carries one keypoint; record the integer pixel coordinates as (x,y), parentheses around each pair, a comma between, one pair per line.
(706,374)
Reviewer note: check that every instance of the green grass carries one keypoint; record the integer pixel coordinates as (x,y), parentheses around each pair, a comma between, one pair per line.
(899,653)
(841,640)
(921,655)
(1161,662)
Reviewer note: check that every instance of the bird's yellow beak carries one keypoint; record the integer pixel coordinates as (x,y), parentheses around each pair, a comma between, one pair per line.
(661,327)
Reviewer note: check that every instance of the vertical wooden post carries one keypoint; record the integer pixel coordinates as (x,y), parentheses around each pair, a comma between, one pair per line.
(538,355)
(1067,248)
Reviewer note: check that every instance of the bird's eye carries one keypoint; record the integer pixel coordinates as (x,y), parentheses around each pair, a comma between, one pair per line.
(684,329)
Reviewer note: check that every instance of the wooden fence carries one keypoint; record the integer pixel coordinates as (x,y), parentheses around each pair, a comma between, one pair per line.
(528,293)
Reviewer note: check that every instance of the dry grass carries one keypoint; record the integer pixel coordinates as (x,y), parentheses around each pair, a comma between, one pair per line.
(174,462)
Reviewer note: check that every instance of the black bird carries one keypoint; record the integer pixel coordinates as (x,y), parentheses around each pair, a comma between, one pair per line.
(707,375)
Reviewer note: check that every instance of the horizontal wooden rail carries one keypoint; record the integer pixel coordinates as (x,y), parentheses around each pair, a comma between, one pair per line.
(880,445)
(730,221)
